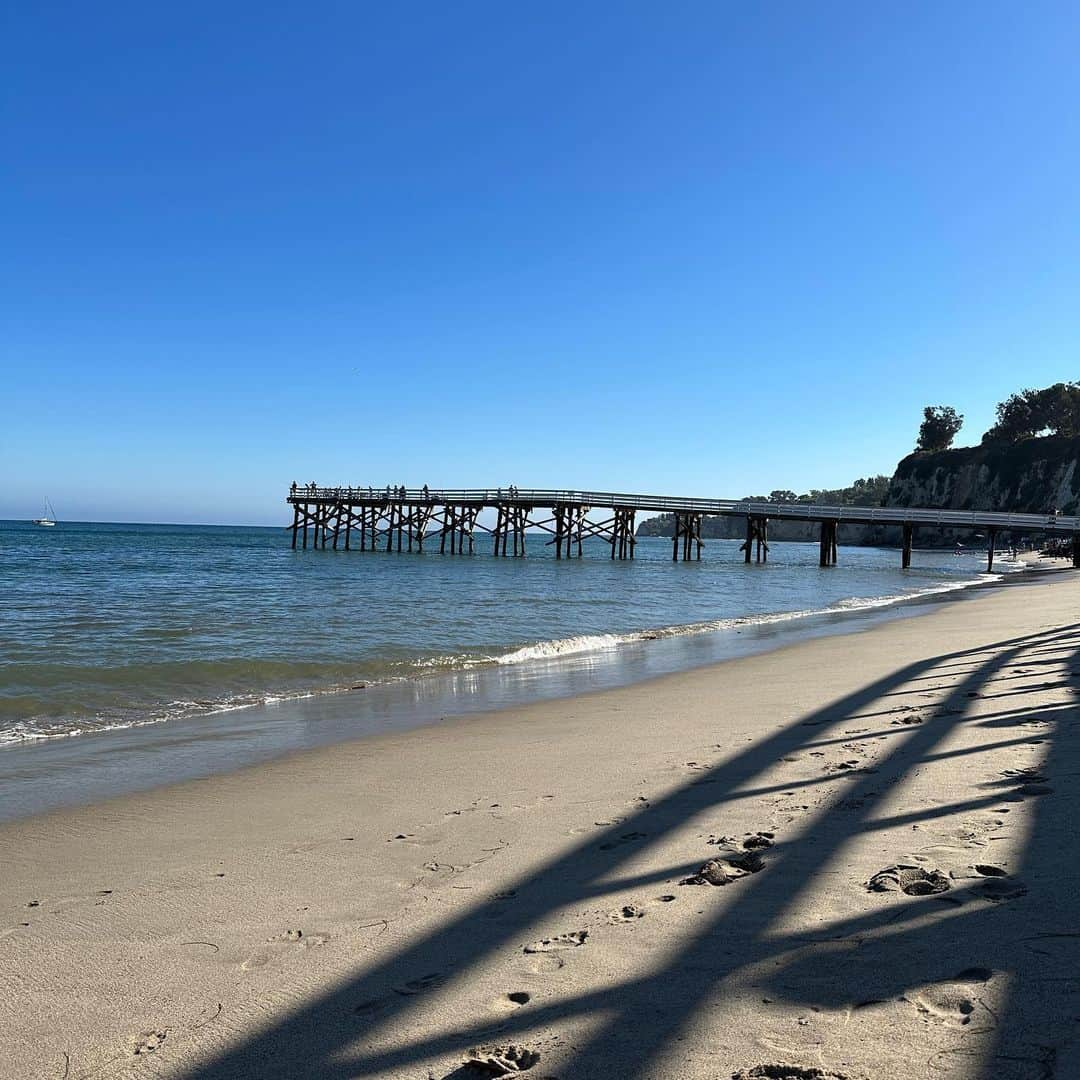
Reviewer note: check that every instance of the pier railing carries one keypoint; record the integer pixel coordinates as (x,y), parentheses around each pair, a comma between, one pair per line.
(815,512)
(398,518)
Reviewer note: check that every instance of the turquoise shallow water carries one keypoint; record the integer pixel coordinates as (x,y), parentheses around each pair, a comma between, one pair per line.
(107,627)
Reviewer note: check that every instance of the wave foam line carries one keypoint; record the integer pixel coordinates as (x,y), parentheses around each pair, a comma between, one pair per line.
(560,647)
(554,649)
(548,650)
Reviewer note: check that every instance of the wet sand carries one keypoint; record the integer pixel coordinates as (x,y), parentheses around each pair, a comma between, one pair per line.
(665,880)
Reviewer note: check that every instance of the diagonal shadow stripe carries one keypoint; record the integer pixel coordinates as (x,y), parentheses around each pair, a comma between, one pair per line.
(310,1041)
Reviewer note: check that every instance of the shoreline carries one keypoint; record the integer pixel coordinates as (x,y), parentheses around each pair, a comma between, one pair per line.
(49,773)
(195,696)
(381,908)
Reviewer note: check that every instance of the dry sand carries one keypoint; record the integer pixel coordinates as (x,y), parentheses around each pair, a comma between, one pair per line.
(395,906)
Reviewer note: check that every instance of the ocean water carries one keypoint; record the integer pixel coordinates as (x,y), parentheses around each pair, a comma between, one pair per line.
(111,627)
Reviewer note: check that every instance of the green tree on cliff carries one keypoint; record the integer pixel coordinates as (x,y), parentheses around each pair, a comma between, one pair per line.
(1054,410)
(939,427)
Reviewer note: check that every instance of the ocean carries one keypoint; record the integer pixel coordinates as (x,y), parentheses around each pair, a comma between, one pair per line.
(106,627)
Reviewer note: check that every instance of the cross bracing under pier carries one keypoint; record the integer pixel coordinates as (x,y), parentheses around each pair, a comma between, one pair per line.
(416,519)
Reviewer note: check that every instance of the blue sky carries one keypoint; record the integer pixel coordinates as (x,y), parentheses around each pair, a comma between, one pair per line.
(692,248)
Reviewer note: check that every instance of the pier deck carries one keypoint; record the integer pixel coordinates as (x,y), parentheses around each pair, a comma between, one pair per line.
(400,519)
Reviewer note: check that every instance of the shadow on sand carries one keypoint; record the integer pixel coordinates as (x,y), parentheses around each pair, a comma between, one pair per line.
(1028,933)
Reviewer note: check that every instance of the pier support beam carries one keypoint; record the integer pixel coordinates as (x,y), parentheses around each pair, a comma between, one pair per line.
(757,539)
(1075,552)
(569,526)
(338,510)
(991,540)
(905,556)
(510,525)
(827,556)
(622,534)
(687,536)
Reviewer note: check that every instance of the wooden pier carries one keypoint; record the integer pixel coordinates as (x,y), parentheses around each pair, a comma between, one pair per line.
(407,519)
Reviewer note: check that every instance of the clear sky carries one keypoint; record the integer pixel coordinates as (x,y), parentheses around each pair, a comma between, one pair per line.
(708,248)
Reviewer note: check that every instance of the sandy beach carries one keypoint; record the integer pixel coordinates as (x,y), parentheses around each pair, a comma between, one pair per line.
(856,854)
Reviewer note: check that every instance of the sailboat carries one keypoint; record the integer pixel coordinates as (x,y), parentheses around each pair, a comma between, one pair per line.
(48,519)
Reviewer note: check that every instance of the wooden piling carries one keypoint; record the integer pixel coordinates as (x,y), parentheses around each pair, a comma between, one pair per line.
(828,547)
(905,557)
(338,510)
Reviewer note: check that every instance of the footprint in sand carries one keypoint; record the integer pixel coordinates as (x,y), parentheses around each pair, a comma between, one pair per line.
(277,945)
(513,1001)
(421,985)
(952,1001)
(485,1062)
(945,1004)
(758,840)
(979,870)
(856,803)
(727,867)
(542,964)
(787,1072)
(1025,791)
(146,1042)
(559,943)
(626,838)
(498,904)
(630,913)
(908,879)
(627,913)
(1000,889)
(847,766)
(371,1005)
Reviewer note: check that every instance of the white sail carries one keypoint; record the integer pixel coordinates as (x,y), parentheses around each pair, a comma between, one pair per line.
(48,518)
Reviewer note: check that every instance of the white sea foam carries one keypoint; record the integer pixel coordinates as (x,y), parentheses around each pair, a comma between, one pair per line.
(22,733)
(549,650)
(560,647)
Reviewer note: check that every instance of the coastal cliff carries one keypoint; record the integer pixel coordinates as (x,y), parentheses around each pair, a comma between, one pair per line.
(1034,476)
